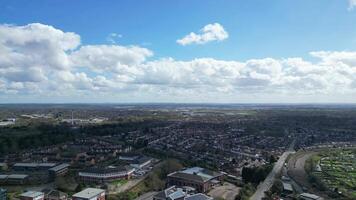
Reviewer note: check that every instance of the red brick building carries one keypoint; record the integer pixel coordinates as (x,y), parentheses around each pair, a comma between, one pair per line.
(199,178)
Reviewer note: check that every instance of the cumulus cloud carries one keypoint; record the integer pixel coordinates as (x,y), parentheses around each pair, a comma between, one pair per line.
(32,52)
(41,60)
(210,32)
(109,57)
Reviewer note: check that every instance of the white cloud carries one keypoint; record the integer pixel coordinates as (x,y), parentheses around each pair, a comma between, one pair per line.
(112,37)
(210,32)
(352,4)
(40,60)
(29,52)
(113,58)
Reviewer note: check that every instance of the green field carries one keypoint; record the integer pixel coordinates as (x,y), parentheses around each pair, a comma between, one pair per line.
(338,171)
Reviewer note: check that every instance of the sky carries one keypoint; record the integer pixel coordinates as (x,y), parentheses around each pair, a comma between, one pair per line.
(201,51)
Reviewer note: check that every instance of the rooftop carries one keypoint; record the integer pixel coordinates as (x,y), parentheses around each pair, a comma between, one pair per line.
(35,164)
(17,176)
(198,196)
(171,193)
(197,174)
(31,194)
(89,193)
(58,167)
(311,196)
(97,170)
(287,186)
(141,160)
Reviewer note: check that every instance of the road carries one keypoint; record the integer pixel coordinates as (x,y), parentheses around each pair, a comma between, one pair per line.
(268,182)
(298,174)
(296,167)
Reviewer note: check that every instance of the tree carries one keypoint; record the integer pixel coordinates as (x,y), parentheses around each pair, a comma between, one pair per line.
(246,192)
(169,166)
(272,159)
(255,174)
(277,187)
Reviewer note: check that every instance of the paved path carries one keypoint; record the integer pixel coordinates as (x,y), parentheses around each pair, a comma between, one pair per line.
(268,182)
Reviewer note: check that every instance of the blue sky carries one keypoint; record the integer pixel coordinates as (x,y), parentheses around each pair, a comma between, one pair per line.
(257,29)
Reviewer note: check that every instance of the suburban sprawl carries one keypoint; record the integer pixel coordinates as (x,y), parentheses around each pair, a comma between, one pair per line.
(177,152)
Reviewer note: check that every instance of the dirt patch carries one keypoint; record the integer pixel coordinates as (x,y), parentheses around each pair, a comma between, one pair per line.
(227,191)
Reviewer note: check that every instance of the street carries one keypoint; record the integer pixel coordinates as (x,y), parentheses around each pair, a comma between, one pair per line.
(268,182)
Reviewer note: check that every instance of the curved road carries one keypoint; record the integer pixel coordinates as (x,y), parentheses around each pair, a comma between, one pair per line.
(296,167)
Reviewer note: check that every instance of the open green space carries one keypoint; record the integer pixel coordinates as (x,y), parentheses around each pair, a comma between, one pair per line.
(335,170)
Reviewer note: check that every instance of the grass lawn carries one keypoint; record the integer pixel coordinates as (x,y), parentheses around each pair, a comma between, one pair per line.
(120,182)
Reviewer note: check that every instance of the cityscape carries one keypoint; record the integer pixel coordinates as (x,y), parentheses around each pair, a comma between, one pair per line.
(178,151)
(177,100)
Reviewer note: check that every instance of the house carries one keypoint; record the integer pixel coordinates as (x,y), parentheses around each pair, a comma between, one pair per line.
(50,194)
(102,175)
(3,194)
(32,195)
(199,178)
(308,196)
(90,194)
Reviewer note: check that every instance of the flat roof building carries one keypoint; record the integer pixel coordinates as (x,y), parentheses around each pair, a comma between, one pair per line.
(58,170)
(171,193)
(32,166)
(177,193)
(308,196)
(32,195)
(198,196)
(90,194)
(102,175)
(14,179)
(141,162)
